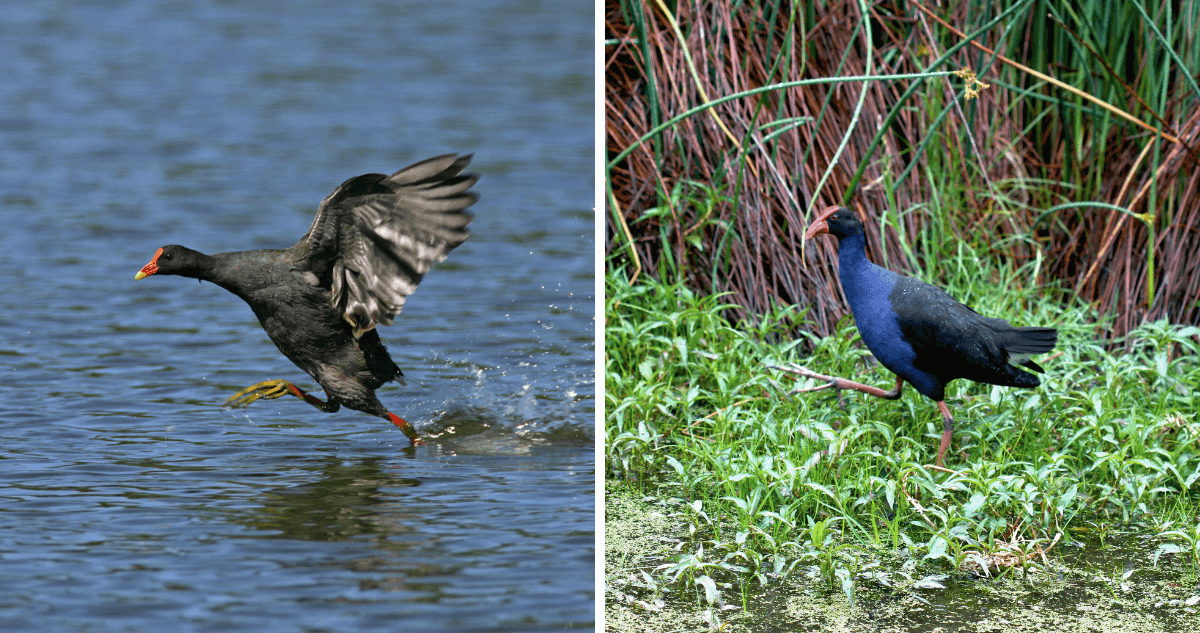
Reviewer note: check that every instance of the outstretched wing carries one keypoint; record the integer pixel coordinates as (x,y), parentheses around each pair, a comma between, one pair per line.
(376,236)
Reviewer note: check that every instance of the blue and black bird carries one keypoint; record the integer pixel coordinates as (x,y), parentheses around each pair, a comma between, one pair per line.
(920,333)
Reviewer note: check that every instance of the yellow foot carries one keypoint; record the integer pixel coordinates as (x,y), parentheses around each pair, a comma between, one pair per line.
(265,390)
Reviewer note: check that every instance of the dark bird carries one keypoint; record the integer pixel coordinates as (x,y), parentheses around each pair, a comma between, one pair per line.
(921,333)
(373,240)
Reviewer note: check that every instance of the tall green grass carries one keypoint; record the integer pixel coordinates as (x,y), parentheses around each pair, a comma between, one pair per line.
(753,114)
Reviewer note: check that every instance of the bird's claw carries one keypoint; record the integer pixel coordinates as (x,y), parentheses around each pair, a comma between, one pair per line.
(266,390)
(798,370)
(792,368)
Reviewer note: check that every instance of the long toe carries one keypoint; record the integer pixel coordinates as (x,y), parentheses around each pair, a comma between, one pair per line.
(266,390)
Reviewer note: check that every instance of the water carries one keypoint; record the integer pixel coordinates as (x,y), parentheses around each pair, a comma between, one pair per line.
(129,500)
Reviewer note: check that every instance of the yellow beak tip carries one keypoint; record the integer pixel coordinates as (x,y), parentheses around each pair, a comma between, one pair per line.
(138,276)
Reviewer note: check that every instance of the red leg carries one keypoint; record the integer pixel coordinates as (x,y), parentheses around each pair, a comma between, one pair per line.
(405,427)
(309,398)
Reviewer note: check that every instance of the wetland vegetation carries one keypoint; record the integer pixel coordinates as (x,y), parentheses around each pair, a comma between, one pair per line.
(729,499)
(734,504)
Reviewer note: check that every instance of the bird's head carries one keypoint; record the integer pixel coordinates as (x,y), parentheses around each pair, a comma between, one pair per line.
(837,221)
(173,260)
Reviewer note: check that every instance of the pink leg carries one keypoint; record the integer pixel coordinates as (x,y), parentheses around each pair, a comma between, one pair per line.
(842,383)
(947,431)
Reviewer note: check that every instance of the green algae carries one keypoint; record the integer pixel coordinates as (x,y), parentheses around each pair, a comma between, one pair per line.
(1088,585)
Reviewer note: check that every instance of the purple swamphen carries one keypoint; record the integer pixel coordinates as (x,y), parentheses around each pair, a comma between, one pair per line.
(919,332)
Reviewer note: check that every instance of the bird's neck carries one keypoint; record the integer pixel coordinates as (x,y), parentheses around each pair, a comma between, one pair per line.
(218,269)
(199,266)
(852,253)
(864,283)
(243,272)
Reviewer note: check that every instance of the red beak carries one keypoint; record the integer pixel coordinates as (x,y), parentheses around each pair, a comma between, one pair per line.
(149,269)
(819,225)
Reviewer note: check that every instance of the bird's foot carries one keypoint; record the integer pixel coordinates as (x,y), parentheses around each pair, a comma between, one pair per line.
(942,448)
(265,390)
(271,389)
(832,382)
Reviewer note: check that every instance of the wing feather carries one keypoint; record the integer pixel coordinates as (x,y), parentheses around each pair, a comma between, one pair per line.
(376,236)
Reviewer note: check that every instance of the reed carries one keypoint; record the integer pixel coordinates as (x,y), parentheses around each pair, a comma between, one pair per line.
(1081,153)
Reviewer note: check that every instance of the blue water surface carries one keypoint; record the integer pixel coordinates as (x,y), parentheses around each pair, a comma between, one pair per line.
(129,499)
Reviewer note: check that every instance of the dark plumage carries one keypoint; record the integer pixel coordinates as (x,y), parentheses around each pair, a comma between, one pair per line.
(368,248)
(921,333)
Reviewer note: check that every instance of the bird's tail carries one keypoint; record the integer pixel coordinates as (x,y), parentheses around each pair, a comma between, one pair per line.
(1032,340)
(1029,341)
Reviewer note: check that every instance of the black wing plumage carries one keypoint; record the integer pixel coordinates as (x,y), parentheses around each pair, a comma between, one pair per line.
(951,340)
(376,236)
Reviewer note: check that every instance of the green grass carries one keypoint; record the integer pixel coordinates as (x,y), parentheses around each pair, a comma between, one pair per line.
(767,483)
